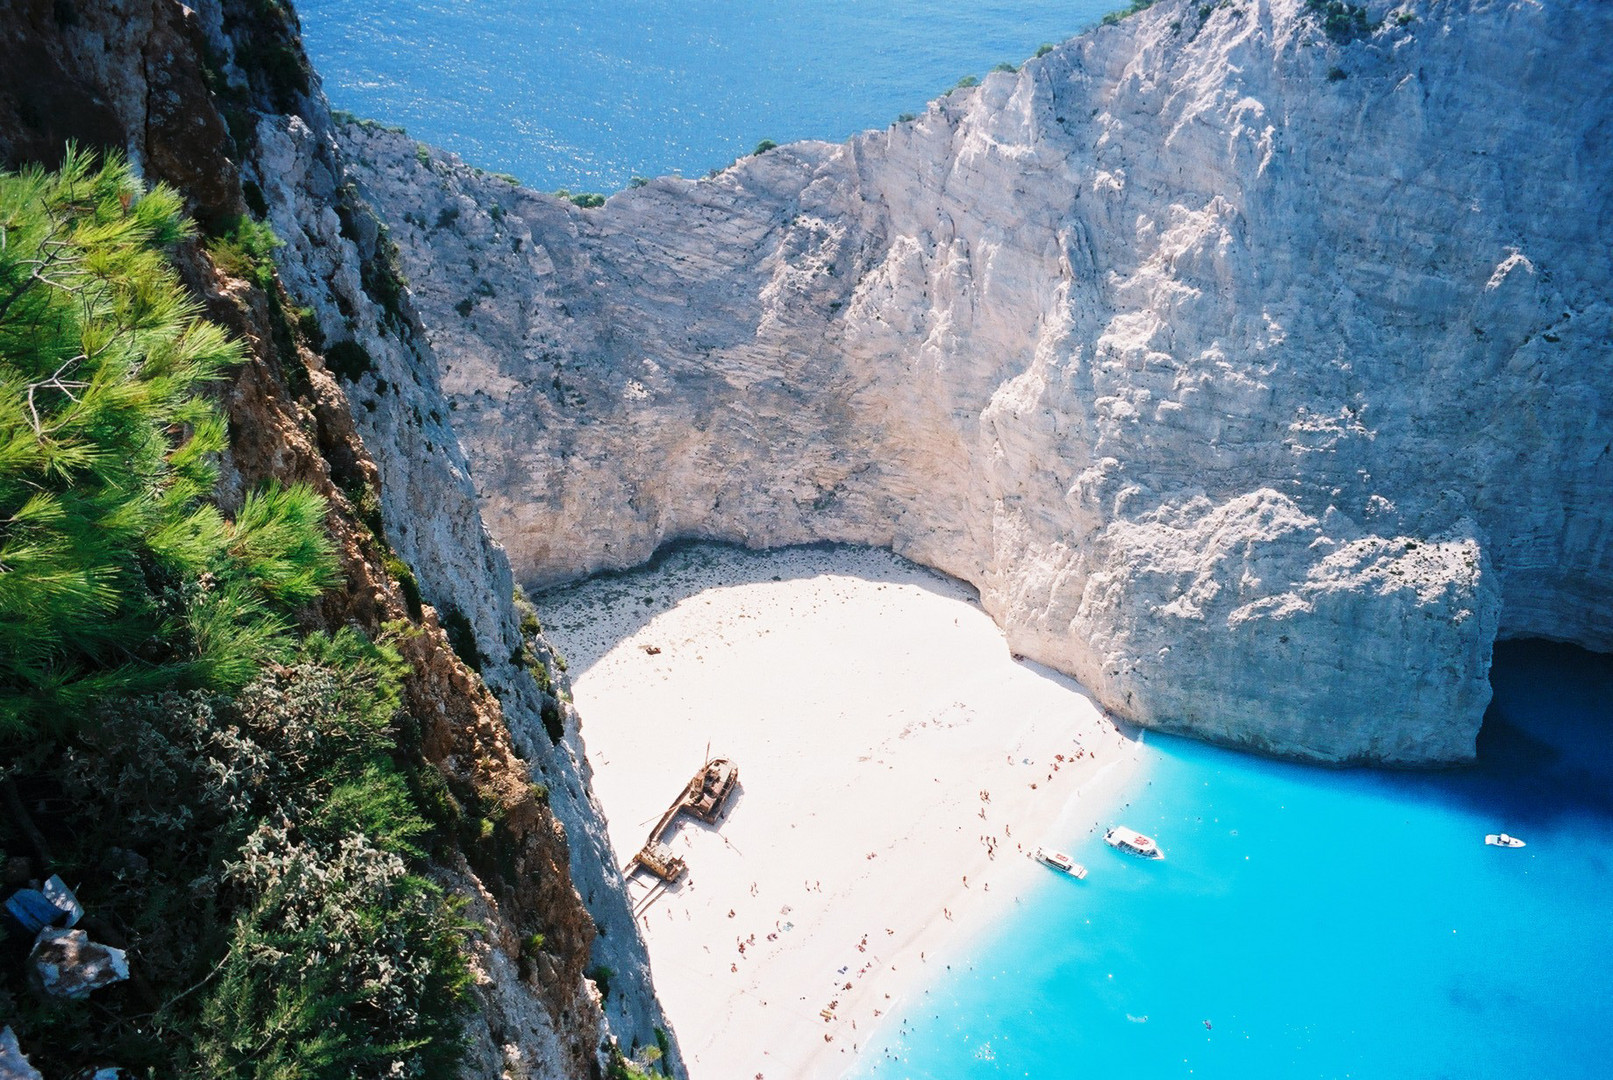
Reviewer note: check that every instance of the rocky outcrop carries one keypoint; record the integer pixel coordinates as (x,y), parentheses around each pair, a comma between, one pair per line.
(133,79)
(217,99)
(1258,377)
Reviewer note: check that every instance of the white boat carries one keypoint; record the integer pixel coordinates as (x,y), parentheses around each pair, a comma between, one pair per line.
(1132,842)
(1503,840)
(1060,862)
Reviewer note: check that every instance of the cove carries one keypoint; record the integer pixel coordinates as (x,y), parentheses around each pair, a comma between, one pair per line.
(892,756)
(1312,923)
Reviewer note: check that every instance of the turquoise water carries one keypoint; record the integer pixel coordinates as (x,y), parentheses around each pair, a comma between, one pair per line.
(1326,924)
(586,96)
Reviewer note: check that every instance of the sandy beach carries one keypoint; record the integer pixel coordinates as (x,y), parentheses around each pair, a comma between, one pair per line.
(896,766)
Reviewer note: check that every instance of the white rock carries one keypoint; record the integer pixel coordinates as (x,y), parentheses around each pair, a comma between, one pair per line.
(1258,400)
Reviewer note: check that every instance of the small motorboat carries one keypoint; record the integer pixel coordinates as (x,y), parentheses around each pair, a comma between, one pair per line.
(1503,840)
(1060,862)
(1132,842)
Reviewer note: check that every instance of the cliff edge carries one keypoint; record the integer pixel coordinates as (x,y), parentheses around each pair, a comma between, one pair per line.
(1254,368)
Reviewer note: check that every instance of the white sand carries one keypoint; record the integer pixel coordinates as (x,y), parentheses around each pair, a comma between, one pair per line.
(867,703)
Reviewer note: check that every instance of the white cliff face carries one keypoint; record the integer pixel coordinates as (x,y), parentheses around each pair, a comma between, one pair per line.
(1257,380)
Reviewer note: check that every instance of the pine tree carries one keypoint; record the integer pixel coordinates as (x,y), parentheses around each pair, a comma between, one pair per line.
(116,574)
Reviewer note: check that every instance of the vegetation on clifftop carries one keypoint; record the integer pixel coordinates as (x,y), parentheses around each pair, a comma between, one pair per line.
(234,799)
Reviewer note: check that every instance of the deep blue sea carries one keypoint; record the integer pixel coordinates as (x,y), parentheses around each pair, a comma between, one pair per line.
(586,96)
(1309,923)
(1305,923)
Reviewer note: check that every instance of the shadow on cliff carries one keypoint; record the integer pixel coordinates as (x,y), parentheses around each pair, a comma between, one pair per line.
(1546,748)
(606,608)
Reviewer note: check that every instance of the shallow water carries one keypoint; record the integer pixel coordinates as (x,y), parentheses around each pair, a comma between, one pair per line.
(1313,923)
(588,96)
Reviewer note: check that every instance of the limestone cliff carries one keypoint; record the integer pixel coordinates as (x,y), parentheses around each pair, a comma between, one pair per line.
(1258,377)
(218,100)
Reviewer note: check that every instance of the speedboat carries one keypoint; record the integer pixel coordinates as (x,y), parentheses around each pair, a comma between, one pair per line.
(1060,862)
(1503,840)
(1132,842)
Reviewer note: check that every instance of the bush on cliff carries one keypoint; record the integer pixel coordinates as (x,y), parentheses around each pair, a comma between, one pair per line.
(116,573)
(228,795)
(1341,21)
(1136,6)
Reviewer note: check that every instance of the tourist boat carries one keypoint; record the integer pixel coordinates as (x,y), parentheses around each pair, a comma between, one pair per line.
(1060,862)
(1503,840)
(1132,842)
(710,788)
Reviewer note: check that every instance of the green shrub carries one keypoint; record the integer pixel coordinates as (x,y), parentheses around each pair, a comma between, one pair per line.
(526,614)
(120,577)
(966,82)
(764,146)
(1342,22)
(906,118)
(1006,66)
(1125,12)
(308,325)
(588,200)
(265,826)
(1044,48)
(408,583)
(246,250)
(620,1068)
(602,976)
(275,834)
(638,181)
(664,1043)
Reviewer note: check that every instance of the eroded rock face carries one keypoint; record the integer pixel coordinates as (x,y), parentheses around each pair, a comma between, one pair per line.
(1256,379)
(217,99)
